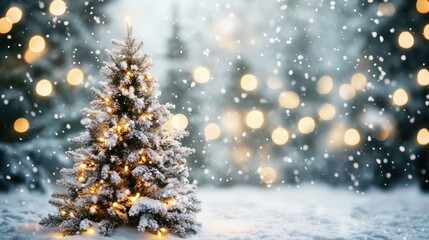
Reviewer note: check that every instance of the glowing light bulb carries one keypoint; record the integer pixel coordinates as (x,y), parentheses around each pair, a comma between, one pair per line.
(288,99)
(249,82)
(44,88)
(115,204)
(212,131)
(280,136)
(133,199)
(21,125)
(255,119)
(14,14)
(161,231)
(75,76)
(171,201)
(405,40)
(126,168)
(201,75)
(57,7)
(63,212)
(130,74)
(400,97)
(90,231)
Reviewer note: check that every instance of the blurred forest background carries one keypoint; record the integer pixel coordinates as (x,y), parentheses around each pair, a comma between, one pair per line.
(273,93)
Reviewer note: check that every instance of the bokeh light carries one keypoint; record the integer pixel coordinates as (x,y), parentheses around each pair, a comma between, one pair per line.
(255,119)
(405,40)
(386,9)
(21,125)
(351,137)
(267,175)
(44,88)
(288,99)
(359,81)
(249,82)
(280,136)
(31,57)
(241,154)
(212,131)
(231,121)
(327,111)
(423,77)
(75,76)
(400,97)
(37,44)
(347,91)
(426,31)
(5,25)
(14,14)
(201,75)
(422,6)
(423,136)
(306,125)
(179,121)
(324,85)
(57,7)
(274,83)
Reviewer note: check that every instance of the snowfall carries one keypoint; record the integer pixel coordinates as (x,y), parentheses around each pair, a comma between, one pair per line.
(307,212)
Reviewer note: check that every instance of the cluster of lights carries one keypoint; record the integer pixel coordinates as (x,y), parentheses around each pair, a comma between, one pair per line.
(13,15)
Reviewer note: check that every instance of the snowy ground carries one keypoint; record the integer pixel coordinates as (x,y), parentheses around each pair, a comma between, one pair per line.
(258,213)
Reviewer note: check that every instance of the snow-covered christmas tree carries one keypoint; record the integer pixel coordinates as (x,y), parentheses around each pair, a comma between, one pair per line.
(129,169)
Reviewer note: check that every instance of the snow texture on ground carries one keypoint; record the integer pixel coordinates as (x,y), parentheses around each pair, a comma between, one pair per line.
(258,213)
